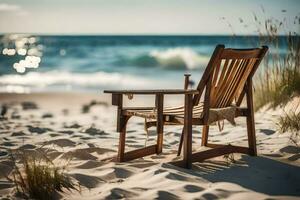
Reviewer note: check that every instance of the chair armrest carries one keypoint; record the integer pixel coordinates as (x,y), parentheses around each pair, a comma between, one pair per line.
(117,95)
(147,92)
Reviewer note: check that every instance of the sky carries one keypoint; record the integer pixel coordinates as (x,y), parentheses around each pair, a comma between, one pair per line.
(140,17)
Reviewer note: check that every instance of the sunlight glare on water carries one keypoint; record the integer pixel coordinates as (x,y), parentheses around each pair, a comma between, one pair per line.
(25,48)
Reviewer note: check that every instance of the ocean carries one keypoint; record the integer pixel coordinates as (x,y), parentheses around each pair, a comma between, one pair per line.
(33,63)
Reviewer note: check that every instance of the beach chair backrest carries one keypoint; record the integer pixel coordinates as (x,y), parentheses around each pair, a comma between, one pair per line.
(225,77)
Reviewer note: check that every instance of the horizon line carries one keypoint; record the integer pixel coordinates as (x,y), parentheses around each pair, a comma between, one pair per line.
(132,34)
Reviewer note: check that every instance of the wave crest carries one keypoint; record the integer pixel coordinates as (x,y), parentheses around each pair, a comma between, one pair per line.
(175,58)
(179,58)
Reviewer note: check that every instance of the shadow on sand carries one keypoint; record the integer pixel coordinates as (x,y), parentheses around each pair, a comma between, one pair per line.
(259,174)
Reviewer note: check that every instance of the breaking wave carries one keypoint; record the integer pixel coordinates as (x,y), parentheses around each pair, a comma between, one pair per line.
(175,58)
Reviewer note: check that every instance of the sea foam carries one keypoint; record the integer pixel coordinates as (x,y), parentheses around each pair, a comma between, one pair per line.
(172,58)
(179,58)
(38,81)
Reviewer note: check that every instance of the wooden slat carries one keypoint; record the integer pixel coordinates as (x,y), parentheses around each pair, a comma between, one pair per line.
(256,64)
(228,97)
(240,54)
(224,84)
(222,93)
(219,151)
(261,56)
(138,108)
(206,75)
(224,70)
(216,86)
(214,81)
(243,79)
(151,113)
(138,153)
(167,91)
(237,149)
(207,100)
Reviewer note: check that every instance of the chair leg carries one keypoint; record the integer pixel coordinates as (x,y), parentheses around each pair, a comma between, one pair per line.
(205,130)
(204,141)
(138,153)
(180,143)
(121,145)
(188,129)
(250,120)
(160,130)
(251,135)
(122,138)
(159,100)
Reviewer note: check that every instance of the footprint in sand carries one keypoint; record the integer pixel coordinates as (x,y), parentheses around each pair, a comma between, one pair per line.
(61,142)
(3,153)
(18,133)
(8,144)
(38,130)
(74,125)
(47,115)
(118,193)
(267,131)
(117,173)
(69,132)
(93,131)
(210,196)
(15,115)
(27,105)
(166,195)
(27,146)
(193,188)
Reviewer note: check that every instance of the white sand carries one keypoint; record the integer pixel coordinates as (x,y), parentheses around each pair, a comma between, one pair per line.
(59,125)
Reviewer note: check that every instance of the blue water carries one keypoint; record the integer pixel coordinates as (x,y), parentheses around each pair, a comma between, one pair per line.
(93,63)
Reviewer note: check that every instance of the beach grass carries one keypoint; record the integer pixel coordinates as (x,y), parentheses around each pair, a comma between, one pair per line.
(38,178)
(291,122)
(280,78)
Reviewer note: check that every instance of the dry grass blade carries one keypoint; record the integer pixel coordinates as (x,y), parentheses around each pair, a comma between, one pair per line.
(291,122)
(279,80)
(38,178)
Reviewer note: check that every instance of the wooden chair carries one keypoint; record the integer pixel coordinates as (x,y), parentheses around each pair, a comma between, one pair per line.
(226,80)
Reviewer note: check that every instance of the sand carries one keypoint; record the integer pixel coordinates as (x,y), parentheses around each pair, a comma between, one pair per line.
(81,127)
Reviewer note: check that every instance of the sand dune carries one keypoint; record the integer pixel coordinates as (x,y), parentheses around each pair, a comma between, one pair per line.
(55,124)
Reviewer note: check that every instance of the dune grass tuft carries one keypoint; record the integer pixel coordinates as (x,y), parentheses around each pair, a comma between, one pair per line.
(279,79)
(291,122)
(39,178)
